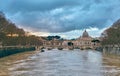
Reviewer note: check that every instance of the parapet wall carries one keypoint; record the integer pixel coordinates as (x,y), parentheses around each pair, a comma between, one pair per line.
(111,50)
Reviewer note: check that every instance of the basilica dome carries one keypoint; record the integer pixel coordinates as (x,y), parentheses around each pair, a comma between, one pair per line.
(85,34)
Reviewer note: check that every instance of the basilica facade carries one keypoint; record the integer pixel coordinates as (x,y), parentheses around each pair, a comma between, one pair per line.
(83,42)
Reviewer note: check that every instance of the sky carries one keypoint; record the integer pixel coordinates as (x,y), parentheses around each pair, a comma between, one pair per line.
(67,18)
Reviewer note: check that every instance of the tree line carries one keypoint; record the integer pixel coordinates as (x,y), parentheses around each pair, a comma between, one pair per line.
(111,36)
(9,28)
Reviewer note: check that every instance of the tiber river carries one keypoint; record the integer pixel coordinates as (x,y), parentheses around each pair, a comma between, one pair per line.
(64,63)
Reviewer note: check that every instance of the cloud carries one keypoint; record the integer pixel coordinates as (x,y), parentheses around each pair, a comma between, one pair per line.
(36,5)
(59,16)
(93,32)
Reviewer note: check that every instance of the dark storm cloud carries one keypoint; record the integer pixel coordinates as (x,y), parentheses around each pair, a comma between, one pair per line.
(36,5)
(61,15)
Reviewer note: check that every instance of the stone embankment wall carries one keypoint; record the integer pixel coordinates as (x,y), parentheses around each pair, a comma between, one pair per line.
(114,50)
(6,51)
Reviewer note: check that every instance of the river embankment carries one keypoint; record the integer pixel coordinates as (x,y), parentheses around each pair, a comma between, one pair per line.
(6,51)
(111,54)
(110,50)
(8,61)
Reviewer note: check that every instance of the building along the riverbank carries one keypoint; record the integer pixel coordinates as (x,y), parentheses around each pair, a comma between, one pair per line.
(83,42)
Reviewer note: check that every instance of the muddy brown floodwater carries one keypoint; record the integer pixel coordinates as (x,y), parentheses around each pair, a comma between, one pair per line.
(65,63)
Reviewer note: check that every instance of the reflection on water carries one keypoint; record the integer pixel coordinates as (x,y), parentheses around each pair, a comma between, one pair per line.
(64,63)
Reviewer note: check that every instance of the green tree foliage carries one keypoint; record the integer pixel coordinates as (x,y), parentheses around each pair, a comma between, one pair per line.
(57,37)
(53,37)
